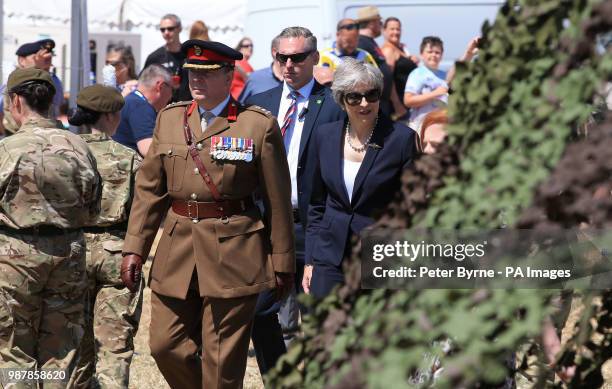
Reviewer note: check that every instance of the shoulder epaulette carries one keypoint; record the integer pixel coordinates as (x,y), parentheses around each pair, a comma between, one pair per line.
(176,104)
(259,109)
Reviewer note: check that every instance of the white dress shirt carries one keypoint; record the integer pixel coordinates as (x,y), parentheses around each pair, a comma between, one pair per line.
(294,132)
(216,111)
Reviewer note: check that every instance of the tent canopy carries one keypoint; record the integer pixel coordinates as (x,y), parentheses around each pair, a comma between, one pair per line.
(224,18)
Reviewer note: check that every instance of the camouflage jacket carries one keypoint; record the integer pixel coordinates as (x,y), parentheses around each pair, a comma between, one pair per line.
(117,166)
(48,176)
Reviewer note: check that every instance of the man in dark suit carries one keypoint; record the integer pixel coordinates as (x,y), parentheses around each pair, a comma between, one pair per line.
(301,104)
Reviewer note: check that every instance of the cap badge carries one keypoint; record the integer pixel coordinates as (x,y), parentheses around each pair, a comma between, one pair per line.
(197,50)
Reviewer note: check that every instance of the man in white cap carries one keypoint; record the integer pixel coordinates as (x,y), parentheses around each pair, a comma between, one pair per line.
(370,27)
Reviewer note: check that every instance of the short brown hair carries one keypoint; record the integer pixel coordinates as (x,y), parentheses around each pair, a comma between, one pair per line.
(432,41)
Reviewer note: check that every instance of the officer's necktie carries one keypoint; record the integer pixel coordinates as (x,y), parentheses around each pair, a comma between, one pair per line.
(290,114)
(207,118)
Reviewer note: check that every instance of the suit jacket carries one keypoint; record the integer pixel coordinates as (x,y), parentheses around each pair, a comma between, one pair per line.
(321,109)
(331,216)
(233,257)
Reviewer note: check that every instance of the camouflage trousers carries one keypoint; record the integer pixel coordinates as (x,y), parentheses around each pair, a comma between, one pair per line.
(42,292)
(112,317)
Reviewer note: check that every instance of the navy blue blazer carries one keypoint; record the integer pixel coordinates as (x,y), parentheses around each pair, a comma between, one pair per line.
(321,109)
(331,216)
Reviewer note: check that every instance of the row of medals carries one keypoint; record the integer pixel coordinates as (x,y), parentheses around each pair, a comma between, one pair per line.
(233,149)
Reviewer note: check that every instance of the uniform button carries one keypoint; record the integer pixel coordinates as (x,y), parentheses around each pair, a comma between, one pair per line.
(196,171)
(170,152)
(199,146)
(220,208)
(299,167)
(194,196)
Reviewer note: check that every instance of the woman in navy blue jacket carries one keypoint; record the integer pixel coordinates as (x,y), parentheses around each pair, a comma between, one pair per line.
(359,164)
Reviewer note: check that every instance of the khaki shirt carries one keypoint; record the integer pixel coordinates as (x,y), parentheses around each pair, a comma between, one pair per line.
(48,177)
(233,257)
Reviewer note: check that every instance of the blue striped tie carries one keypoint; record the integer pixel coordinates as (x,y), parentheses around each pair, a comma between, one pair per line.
(290,114)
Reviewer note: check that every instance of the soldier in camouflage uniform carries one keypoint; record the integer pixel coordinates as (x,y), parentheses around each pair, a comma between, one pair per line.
(49,187)
(113,312)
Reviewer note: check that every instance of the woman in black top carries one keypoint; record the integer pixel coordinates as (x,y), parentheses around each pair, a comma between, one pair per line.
(398,59)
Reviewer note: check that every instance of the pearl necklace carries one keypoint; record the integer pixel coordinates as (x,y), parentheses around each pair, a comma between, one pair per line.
(367,141)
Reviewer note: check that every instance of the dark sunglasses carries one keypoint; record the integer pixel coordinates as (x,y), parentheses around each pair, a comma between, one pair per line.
(169,29)
(354,98)
(246,46)
(295,58)
(349,27)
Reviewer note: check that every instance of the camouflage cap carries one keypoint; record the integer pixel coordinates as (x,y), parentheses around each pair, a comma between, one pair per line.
(100,98)
(20,76)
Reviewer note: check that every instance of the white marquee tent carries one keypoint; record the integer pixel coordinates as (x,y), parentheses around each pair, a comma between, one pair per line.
(29,20)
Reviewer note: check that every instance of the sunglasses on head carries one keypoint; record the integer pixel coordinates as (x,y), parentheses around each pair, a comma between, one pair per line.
(295,58)
(354,98)
(349,27)
(169,29)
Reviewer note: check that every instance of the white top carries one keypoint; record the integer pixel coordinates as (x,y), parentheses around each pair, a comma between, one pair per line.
(349,171)
(424,80)
(294,132)
(213,113)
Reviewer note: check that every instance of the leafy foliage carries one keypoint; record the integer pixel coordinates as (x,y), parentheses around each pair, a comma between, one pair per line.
(514,112)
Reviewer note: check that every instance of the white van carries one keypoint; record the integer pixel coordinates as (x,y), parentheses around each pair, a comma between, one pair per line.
(454,21)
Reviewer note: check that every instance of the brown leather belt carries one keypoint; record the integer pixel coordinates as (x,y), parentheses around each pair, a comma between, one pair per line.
(202,210)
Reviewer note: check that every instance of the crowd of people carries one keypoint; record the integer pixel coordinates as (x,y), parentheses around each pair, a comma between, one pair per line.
(260,177)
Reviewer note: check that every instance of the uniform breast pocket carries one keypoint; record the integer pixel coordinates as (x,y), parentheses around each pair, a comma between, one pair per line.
(174,158)
(229,172)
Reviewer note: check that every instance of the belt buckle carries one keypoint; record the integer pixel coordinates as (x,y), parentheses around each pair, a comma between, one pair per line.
(194,218)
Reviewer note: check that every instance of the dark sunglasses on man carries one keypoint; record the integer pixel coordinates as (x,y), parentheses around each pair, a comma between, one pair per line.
(169,29)
(349,27)
(295,58)
(354,98)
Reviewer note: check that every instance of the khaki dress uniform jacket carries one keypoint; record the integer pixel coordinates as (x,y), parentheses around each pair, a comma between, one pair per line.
(234,256)
(200,331)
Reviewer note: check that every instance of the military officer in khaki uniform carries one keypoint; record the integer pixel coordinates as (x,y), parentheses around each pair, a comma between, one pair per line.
(206,160)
